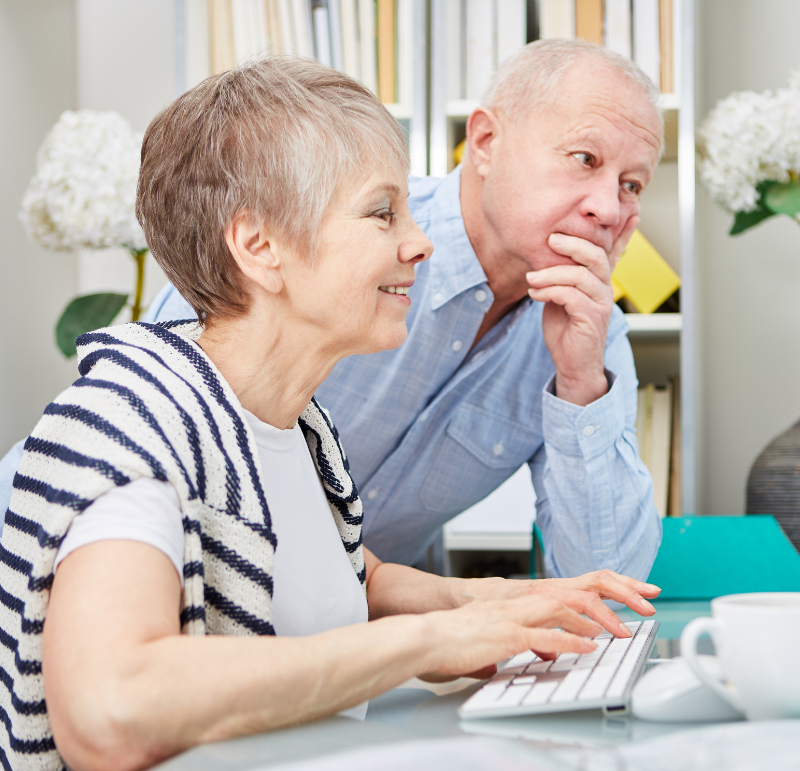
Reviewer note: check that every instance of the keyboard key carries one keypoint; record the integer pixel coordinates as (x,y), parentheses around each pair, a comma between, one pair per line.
(565,662)
(513,671)
(540,693)
(486,697)
(513,696)
(571,685)
(538,668)
(626,669)
(525,680)
(522,659)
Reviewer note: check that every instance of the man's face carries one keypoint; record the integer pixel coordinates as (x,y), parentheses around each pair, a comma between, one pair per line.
(577,167)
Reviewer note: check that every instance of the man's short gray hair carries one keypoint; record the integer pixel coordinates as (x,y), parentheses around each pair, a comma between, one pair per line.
(277,139)
(528,80)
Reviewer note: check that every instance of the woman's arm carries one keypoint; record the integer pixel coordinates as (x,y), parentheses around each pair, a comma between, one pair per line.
(125,690)
(399,589)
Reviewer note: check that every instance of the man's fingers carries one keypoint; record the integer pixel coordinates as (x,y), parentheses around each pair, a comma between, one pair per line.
(583,252)
(570,275)
(571,299)
(622,241)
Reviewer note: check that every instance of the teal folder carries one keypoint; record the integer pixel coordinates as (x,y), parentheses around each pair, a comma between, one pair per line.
(704,557)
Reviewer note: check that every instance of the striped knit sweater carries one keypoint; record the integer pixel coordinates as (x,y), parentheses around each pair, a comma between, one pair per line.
(149,403)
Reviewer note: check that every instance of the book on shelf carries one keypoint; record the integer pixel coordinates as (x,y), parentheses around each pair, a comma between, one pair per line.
(655,429)
(643,276)
(479,36)
(370,40)
(639,29)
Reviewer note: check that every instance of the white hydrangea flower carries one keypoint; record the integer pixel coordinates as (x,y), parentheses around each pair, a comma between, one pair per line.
(84,191)
(749,138)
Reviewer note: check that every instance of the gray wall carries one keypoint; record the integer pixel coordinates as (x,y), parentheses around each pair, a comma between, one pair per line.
(749,344)
(37,59)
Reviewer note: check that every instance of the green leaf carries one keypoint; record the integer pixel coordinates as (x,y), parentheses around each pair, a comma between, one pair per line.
(782,197)
(83,314)
(746,219)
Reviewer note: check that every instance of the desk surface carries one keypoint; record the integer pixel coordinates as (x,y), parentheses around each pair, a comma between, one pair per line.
(408,713)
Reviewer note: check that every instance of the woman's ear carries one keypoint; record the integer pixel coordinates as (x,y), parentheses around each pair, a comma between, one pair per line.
(483,128)
(257,256)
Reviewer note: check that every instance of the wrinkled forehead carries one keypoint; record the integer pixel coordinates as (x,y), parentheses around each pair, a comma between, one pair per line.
(605,109)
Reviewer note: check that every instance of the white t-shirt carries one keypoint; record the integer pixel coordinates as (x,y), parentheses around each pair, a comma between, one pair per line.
(315,586)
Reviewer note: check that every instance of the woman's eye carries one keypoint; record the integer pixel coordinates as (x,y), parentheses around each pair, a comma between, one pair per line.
(584,158)
(385,214)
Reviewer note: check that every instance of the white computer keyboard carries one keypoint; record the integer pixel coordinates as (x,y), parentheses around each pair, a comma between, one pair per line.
(603,678)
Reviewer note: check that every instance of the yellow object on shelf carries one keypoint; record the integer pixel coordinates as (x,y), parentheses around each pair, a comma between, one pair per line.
(643,276)
(458,153)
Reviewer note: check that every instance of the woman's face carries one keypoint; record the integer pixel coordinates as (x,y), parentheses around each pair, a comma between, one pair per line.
(354,293)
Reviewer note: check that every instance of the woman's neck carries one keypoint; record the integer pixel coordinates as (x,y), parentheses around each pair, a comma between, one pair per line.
(273,367)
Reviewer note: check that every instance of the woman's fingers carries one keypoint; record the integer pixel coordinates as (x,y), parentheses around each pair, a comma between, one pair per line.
(612,586)
(557,641)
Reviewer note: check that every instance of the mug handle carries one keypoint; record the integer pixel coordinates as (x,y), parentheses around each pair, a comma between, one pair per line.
(689,637)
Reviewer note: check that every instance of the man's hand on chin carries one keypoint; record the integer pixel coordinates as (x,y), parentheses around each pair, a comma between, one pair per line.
(579,300)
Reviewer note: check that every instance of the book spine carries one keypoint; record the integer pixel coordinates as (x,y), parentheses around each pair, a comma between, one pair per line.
(386,55)
(351,60)
(198,40)
(288,38)
(618,26)
(589,20)
(405,52)
(322,31)
(453,55)
(557,19)
(480,46)
(220,23)
(303,29)
(366,34)
(335,23)
(511,28)
(646,41)
(665,19)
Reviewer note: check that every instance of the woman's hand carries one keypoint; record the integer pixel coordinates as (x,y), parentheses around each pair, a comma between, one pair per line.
(471,639)
(584,594)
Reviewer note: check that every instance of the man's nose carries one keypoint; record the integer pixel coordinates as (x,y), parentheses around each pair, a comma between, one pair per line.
(602,203)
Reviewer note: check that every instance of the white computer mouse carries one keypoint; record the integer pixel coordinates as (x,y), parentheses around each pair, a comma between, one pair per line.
(670,692)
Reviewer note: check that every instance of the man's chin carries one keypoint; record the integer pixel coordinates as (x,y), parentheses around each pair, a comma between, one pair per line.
(551,260)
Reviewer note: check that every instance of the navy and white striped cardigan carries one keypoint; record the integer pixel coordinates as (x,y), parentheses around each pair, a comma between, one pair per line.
(149,403)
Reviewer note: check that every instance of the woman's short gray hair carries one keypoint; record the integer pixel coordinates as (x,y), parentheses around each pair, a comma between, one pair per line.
(528,80)
(277,139)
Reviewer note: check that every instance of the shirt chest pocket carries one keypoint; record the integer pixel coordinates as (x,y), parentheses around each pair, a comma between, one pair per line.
(478,451)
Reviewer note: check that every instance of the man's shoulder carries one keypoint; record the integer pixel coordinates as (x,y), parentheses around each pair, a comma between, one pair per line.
(421,191)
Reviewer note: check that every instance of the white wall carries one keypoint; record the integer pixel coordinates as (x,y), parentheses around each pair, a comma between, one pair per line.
(37,59)
(125,62)
(749,285)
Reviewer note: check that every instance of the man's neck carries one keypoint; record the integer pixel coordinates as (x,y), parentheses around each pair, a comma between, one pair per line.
(507,287)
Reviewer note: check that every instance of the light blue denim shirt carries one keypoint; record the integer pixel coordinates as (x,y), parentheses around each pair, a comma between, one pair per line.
(432,428)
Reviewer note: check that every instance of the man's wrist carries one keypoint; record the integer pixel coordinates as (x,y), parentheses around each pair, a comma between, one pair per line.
(581,391)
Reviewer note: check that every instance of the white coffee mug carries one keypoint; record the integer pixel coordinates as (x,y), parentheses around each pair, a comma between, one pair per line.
(757,639)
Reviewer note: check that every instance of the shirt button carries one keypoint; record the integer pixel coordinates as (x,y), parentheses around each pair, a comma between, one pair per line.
(588,431)
(373,494)
(458,345)
(498,449)
(480,295)
(437,298)
(422,418)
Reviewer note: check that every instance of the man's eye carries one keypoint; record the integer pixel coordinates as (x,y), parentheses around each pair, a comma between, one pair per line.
(584,158)
(632,187)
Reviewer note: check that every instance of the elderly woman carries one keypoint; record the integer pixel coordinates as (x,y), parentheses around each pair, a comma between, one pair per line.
(182,557)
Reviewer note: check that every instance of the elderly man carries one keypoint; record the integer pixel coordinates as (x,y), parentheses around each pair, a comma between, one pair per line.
(516,352)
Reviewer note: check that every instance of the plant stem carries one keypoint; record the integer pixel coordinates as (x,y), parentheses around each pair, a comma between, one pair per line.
(139,255)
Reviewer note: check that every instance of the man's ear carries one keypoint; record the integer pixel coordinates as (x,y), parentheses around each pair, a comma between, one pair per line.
(257,256)
(483,129)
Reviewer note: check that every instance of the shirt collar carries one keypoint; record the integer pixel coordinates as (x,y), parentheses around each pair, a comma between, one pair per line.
(454,265)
